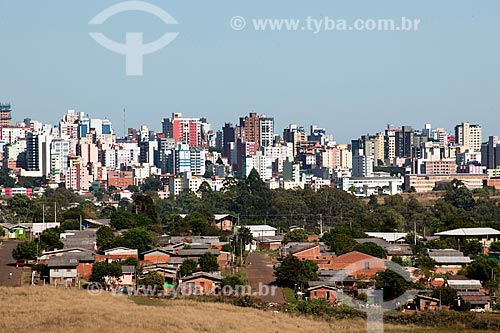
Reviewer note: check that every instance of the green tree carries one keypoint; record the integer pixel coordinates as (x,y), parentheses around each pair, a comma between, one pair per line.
(341,243)
(199,224)
(50,238)
(393,284)
(208,262)
(138,238)
(460,196)
(495,247)
(133,188)
(188,267)
(130,262)
(104,235)
(144,204)
(447,295)
(371,249)
(297,235)
(233,281)
(293,271)
(154,279)
(245,236)
(26,251)
(424,262)
(472,248)
(5,179)
(482,268)
(102,269)
(151,184)
(122,219)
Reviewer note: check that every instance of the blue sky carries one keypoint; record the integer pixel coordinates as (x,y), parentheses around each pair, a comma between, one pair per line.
(350,82)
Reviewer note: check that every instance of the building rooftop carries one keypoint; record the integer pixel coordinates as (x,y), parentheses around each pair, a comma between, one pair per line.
(469,232)
(390,237)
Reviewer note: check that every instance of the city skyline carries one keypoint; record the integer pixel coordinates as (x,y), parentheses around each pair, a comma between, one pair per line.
(343,80)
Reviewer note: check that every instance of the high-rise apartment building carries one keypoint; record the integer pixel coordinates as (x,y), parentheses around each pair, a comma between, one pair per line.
(250,128)
(183,130)
(266,131)
(490,153)
(5,116)
(469,136)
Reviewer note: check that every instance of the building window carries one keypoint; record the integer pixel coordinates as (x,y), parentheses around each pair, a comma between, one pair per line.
(367,265)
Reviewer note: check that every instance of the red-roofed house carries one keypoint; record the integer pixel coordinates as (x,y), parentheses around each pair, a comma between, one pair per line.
(359,265)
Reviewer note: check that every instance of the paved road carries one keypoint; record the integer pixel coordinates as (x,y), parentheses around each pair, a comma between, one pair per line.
(260,273)
(8,264)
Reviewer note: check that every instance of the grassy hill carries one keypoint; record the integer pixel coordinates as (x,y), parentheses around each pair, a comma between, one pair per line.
(47,309)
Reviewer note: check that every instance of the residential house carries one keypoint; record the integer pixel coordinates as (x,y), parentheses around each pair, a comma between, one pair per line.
(96,223)
(392,249)
(225,222)
(158,255)
(261,231)
(127,278)
(168,272)
(63,271)
(118,254)
(448,260)
(390,237)
(271,243)
(200,283)
(86,239)
(313,253)
(17,232)
(322,291)
(361,266)
(469,290)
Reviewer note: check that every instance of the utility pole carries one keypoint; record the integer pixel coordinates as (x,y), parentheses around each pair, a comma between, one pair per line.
(55,211)
(415,232)
(320,225)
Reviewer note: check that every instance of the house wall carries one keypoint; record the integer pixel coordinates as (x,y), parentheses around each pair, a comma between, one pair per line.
(314,254)
(127,279)
(270,246)
(201,285)
(156,258)
(116,257)
(324,293)
(84,270)
(59,276)
(366,268)
(224,259)
(225,224)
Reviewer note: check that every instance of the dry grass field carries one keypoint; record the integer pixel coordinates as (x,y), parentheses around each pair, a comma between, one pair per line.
(46,309)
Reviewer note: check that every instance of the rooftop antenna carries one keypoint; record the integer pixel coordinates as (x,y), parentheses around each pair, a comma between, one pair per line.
(124,126)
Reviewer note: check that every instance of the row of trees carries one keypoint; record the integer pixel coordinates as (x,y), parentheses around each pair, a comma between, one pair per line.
(254,203)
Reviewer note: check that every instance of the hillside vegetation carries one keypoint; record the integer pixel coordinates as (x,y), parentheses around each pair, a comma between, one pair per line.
(46,309)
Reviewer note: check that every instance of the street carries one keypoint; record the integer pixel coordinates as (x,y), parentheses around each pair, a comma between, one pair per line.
(8,264)
(260,272)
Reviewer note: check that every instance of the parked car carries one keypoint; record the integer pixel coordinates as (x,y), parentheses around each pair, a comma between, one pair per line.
(477,310)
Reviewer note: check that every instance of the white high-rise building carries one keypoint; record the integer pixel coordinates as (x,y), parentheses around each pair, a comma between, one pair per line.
(469,136)
(266,132)
(262,164)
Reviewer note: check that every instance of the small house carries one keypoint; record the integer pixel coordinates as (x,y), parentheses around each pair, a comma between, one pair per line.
(322,291)
(63,271)
(200,283)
